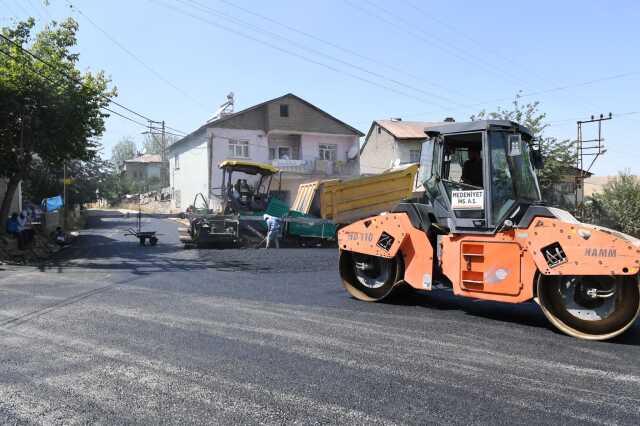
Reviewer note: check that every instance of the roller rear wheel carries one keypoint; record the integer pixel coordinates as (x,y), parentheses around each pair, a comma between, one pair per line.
(369,278)
(590,307)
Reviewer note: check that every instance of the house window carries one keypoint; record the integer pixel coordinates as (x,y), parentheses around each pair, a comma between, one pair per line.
(284,110)
(414,156)
(238,148)
(272,153)
(328,152)
(177,162)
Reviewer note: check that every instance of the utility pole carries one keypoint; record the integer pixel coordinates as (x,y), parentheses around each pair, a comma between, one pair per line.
(164,173)
(64,196)
(163,144)
(155,128)
(588,151)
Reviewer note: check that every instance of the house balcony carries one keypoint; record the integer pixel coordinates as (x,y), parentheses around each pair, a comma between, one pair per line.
(303,167)
(317,167)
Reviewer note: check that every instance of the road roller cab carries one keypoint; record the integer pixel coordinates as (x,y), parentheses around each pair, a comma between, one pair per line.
(482,229)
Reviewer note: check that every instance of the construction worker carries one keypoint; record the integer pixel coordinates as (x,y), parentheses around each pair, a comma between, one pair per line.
(274,225)
(472,168)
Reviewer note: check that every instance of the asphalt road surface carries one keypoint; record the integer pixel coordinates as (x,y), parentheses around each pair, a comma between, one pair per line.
(117,333)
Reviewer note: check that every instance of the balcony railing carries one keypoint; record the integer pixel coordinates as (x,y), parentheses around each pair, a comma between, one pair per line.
(320,167)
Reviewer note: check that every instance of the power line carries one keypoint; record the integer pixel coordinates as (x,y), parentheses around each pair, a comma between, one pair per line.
(338,47)
(509,62)
(140,61)
(21,7)
(292,53)
(459,32)
(70,77)
(306,48)
(80,82)
(543,91)
(426,38)
(37,10)
(366,80)
(575,119)
(176,130)
(49,79)
(125,117)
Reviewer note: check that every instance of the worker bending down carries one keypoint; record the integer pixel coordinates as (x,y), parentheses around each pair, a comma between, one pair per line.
(274,225)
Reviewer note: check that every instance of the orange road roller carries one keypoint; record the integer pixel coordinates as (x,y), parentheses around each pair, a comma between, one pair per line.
(482,230)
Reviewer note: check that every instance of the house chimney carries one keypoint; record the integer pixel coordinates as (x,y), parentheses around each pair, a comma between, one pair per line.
(449,120)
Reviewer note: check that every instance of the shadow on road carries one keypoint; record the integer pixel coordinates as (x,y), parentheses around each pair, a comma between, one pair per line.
(528,314)
(104,253)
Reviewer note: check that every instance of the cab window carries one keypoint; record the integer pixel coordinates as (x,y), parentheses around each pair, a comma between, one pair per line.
(462,168)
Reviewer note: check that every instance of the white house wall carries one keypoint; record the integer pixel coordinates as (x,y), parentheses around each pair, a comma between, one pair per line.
(403,149)
(310,145)
(191,176)
(258,149)
(382,151)
(378,153)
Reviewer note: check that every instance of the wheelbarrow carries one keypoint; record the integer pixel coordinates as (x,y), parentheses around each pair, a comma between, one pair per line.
(141,235)
(144,236)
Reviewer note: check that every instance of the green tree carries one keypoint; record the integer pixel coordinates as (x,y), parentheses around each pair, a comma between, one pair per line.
(559,155)
(48,111)
(618,205)
(124,150)
(153,143)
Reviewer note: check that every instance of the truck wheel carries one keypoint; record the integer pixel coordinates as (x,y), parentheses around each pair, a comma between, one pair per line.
(369,278)
(590,307)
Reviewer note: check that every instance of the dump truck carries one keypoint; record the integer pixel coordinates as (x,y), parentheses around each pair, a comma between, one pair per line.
(482,230)
(346,200)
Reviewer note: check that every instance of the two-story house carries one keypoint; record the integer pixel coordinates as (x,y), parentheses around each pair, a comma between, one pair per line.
(391,143)
(146,170)
(303,141)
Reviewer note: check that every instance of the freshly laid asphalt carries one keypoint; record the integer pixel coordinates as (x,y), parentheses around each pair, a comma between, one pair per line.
(111,332)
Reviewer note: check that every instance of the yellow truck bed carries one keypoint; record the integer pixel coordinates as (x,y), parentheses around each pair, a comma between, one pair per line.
(345,201)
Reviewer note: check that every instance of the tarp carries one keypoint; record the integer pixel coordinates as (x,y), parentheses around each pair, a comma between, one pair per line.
(52,204)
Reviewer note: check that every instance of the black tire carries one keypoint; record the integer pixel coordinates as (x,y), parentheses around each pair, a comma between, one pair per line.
(153,241)
(612,307)
(369,278)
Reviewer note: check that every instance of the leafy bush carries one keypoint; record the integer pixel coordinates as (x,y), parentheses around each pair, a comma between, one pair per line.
(617,206)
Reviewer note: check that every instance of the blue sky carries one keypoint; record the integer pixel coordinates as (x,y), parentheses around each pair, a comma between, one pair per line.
(419,60)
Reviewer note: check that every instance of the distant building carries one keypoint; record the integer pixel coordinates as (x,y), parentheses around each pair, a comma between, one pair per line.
(568,189)
(145,169)
(16,203)
(303,141)
(595,184)
(390,143)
